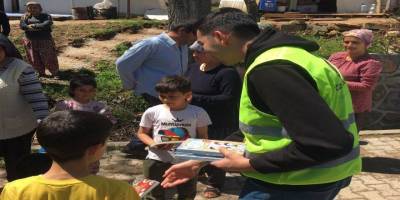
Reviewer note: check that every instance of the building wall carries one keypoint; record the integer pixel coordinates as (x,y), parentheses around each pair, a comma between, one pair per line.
(354,6)
(64,6)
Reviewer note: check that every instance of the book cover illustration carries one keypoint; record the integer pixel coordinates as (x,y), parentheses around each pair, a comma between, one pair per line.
(207,150)
(144,186)
(171,138)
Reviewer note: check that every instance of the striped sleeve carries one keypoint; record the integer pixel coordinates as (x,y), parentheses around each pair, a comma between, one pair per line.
(32,90)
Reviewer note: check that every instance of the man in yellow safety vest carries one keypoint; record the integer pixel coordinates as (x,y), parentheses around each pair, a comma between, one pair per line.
(296,115)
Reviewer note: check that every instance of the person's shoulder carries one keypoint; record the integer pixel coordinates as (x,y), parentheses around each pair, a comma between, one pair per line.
(155,109)
(109,181)
(114,186)
(225,70)
(45,15)
(196,109)
(21,184)
(338,55)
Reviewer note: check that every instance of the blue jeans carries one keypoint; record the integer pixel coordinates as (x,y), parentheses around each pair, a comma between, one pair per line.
(254,190)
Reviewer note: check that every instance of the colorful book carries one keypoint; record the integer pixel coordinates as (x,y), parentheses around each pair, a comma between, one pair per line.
(206,150)
(144,186)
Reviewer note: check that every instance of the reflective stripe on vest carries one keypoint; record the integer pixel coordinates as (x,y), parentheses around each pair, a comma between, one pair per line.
(353,154)
(281,132)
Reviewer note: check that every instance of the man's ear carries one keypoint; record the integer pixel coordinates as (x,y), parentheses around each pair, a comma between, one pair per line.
(188,96)
(221,38)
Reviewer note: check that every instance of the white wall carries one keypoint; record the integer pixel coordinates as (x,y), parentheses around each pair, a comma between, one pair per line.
(138,7)
(354,6)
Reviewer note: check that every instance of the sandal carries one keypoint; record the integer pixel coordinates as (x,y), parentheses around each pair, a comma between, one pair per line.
(211,192)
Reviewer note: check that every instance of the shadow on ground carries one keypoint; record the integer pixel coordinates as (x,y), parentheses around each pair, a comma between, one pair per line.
(381,165)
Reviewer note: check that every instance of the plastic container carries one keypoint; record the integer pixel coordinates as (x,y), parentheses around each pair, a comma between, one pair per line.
(239,4)
(372,9)
(268,5)
(363,8)
(80,13)
(282,8)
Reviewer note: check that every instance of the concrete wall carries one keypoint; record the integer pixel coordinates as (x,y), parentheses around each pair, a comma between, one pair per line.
(354,6)
(138,7)
(386,99)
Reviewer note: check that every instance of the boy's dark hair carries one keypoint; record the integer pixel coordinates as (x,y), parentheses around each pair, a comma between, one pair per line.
(189,26)
(66,135)
(79,81)
(230,20)
(173,84)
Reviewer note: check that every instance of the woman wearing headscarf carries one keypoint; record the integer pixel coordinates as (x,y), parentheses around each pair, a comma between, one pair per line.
(22,105)
(360,70)
(39,44)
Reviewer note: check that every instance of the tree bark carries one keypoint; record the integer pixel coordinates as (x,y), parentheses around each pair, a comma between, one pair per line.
(183,10)
(2,5)
(252,9)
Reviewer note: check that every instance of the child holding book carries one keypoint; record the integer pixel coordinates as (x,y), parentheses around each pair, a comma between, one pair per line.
(74,140)
(174,119)
(82,89)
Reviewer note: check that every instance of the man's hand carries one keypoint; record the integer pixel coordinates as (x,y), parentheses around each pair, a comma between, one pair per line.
(181,173)
(233,162)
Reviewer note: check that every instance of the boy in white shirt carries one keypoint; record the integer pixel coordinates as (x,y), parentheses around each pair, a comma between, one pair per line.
(174,119)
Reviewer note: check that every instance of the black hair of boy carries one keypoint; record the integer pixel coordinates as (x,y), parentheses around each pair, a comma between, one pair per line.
(66,135)
(173,84)
(79,81)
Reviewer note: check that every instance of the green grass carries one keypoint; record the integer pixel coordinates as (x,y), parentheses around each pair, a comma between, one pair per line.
(109,89)
(328,46)
(121,48)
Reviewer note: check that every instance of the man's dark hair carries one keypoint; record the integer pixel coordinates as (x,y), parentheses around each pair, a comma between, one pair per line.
(66,135)
(189,26)
(230,20)
(173,84)
(79,81)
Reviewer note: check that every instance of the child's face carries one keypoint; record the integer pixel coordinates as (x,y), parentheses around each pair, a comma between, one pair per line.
(34,9)
(84,94)
(175,100)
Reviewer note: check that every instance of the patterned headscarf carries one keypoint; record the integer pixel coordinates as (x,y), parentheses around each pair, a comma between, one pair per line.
(364,35)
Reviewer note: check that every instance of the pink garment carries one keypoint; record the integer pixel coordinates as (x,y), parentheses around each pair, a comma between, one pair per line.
(363,34)
(93,106)
(361,76)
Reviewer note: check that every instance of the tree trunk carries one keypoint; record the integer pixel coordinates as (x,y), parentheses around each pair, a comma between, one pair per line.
(15,5)
(184,10)
(252,9)
(2,5)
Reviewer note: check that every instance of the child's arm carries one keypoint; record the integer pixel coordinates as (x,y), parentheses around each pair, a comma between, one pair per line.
(202,132)
(144,135)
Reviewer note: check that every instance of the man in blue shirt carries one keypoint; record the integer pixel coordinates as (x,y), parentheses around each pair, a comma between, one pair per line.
(143,65)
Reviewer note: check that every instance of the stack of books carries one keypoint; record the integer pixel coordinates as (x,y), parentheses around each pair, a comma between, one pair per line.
(206,150)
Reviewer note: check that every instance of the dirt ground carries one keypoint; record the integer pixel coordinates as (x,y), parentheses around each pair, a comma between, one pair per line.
(94,50)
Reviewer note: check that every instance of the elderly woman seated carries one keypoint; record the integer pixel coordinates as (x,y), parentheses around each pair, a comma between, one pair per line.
(359,69)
